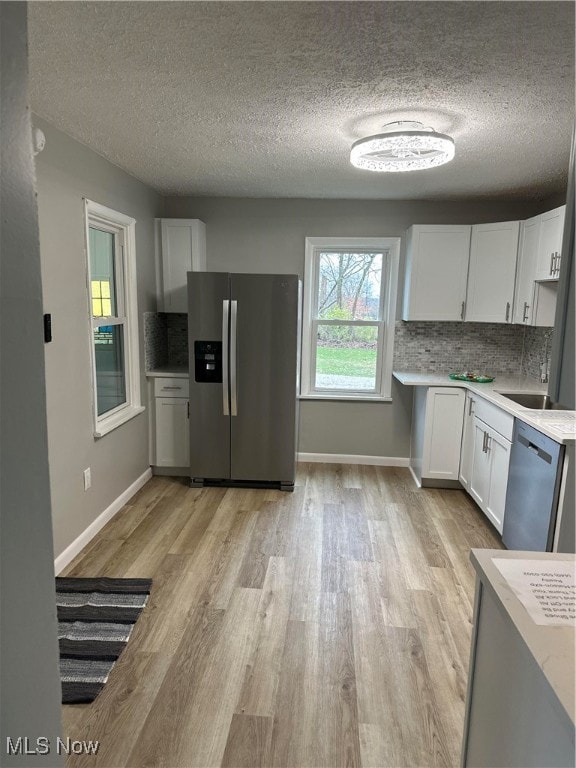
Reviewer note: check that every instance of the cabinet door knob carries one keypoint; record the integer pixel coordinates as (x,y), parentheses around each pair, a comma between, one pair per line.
(507,311)
(462,310)
(552,263)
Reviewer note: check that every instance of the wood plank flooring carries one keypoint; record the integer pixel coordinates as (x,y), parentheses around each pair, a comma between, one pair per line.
(322,628)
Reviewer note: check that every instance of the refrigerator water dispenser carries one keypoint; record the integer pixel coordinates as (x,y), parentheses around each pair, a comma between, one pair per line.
(208,361)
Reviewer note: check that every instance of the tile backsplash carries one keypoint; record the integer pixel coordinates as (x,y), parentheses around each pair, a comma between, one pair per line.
(155,340)
(537,348)
(493,349)
(177,334)
(490,348)
(165,340)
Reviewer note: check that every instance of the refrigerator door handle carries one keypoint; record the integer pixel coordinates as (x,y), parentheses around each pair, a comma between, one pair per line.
(225,382)
(233,361)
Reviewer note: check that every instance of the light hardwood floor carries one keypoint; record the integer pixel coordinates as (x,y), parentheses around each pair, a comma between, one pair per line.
(326,627)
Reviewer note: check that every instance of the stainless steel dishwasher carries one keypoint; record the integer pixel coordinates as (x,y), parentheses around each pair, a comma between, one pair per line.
(533,486)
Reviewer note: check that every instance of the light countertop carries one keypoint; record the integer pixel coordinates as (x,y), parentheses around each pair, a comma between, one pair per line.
(558,425)
(552,647)
(175,371)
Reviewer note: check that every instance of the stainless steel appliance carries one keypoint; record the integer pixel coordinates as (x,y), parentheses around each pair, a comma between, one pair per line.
(243,350)
(533,487)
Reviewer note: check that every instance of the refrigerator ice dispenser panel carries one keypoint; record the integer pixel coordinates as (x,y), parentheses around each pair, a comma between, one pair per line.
(208,362)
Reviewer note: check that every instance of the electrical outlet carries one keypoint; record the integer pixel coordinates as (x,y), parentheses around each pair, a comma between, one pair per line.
(87,479)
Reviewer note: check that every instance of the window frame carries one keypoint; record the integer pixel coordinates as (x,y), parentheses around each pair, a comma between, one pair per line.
(124,229)
(390,248)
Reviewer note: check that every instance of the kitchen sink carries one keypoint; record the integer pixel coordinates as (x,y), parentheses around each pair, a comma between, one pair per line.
(535,402)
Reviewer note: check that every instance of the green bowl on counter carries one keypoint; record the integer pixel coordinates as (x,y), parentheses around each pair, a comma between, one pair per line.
(476,378)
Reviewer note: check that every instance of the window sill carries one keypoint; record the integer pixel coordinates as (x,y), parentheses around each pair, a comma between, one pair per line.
(107,425)
(350,398)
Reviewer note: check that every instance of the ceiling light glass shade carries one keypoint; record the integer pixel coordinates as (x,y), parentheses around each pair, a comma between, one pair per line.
(402,146)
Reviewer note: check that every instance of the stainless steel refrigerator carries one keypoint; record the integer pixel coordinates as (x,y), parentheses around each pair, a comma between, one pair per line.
(243,350)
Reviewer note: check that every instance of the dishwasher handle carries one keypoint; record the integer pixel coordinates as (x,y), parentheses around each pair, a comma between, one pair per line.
(535,449)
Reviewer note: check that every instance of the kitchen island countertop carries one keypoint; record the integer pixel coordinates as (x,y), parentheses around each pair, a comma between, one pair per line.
(551,647)
(520,705)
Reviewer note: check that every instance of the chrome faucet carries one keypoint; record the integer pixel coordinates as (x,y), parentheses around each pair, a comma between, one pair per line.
(544,372)
(545,364)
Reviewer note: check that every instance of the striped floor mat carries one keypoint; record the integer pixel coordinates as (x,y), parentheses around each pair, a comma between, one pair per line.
(95,619)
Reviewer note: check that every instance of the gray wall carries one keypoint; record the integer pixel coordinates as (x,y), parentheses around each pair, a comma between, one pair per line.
(260,235)
(68,171)
(30,684)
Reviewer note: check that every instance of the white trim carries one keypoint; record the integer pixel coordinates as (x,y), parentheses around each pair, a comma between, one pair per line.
(390,247)
(353,458)
(117,418)
(127,304)
(415,476)
(369,397)
(88,534)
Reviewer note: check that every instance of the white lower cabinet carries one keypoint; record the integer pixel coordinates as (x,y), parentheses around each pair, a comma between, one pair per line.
(480,470)
(172,432)
(170,427)
(436,435)
(443,433)
(489,471)
(467,447)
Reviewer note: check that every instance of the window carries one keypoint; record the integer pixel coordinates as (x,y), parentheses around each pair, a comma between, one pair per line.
(110,245)
(350,289)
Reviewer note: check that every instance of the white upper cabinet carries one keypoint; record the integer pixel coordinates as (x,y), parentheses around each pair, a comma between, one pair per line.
(534,299)
(526,271)
(436,272)
(505,272)
(550,244)
(182,247)
(492,271)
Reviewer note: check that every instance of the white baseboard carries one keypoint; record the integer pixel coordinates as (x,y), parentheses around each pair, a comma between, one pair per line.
(342,458)
(415,476)
(88,534)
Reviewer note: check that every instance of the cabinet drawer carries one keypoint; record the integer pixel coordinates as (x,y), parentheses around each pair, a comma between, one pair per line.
(171,387)
(495,417)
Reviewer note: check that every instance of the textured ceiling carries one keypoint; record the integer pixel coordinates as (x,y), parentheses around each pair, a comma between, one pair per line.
(264,99)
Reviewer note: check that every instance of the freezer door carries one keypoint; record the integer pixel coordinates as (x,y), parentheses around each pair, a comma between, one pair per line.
(208,311)
(263,345)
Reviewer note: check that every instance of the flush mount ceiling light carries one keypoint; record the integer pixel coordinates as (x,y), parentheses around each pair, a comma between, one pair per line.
(402,146)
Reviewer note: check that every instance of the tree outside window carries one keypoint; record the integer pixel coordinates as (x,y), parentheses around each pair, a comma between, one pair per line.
(348,299)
